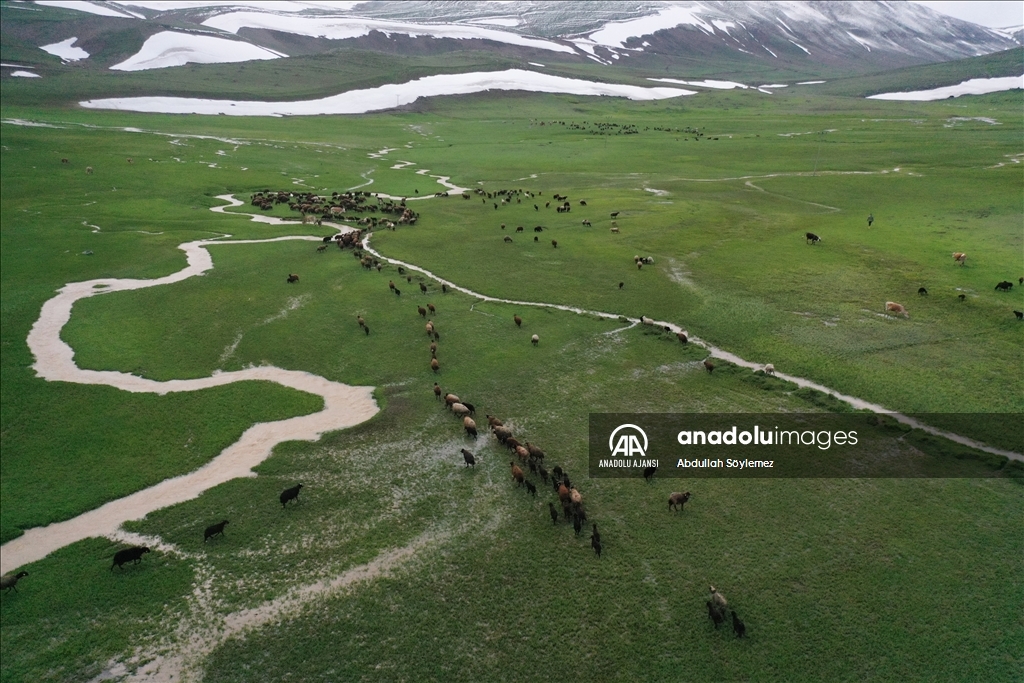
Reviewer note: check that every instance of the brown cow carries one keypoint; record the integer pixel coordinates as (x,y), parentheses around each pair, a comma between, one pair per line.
(897,309)
(960,257)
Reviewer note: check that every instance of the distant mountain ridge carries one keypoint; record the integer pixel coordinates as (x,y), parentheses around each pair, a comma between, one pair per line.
(845,37)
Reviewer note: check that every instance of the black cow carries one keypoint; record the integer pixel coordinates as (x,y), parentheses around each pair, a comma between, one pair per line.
(290,494)
(214,530)
(133,554)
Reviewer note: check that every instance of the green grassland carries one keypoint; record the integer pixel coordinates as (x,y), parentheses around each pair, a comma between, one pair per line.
(880,579)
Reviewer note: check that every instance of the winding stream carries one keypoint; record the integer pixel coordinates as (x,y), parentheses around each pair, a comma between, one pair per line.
(344,406)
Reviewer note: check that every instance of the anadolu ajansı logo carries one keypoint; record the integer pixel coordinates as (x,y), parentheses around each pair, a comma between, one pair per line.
(628,445)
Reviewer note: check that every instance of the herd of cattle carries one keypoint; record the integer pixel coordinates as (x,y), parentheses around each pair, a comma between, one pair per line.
(958,257)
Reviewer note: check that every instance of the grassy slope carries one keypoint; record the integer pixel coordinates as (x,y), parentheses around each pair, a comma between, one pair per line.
(928,76)
(805,577)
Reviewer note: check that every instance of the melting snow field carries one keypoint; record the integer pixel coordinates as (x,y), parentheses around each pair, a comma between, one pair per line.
(616,33)
(387,96)
(25,74)
(340,28)
(717,85)
(974,86)
(170,48)
(64,50)
(82,6)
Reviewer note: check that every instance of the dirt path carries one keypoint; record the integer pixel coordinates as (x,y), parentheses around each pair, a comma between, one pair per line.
(344,406)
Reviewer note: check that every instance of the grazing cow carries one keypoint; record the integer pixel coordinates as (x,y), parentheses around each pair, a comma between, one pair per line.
(434,365)
(10,581)
(577,525)
(1004,286)
(536,239)
(322,248)
(586,222)
(615,229)
(960,257)
(502,226)
(922,291)
(444,289)
(401,270)
(391,285)
(554,243)
(553,512)
(423,288)
(129,160)
(519,228)
(871,219)
(615,214)
(535,340)
(518,320)
(709,366)
(290,494)
(292,277)
(583,202)
(769,369)
(88,169)
(133,555)
(517,474)
(1019,314)
(649,473)
(681,336)
(895,308)
(437,390)
(536,208)
(431,308)
(738,627)
(398,292)
(678,500)
(538,228)
(812,238)
(468,457)
(213,530)
(531,488)
(422,311)
(508,239)
(718,599)
(961,297)
(64,161)
(366,329)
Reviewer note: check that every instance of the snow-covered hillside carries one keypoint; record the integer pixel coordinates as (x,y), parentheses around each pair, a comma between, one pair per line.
(856,35)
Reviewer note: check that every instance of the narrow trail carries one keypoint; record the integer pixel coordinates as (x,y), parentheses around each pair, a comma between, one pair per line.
(714,351)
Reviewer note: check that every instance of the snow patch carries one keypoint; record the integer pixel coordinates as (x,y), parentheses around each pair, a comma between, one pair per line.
(64,50)
(616,33)
(706,83)
(25,74)
(391,95)
(810,82)
(973,86)
(170,48)
(82,6)
(340,28)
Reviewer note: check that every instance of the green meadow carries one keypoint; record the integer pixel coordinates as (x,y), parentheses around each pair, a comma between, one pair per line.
(836,579)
